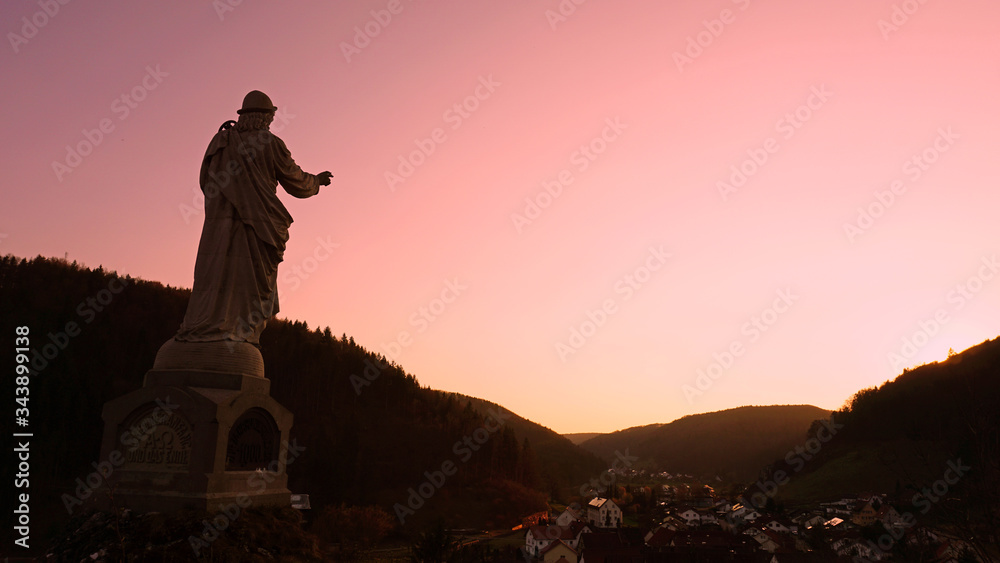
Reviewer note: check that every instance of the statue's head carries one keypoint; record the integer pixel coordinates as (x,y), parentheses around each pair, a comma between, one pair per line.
(256,101)
(257,111)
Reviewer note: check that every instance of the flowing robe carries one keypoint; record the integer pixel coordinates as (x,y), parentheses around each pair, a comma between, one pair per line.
(243,239)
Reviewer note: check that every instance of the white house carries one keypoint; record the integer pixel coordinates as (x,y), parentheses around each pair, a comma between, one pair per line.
(745,513)
(674,523)
(778,525)
(691,516)
(834,523)
(808,520)
(604,513)
(559,552)
(569,516)
(541,537)
(891,518)
(767,539)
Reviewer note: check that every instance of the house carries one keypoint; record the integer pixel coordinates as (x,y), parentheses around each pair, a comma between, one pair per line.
(807,520)
(891,518)
(730,523)
(673,523)
(865,511)
(952,550)
(835,524)
(540,537)
(777,524)
(769,540)
(660,537)
(570,515)
(690,516)
(559,552)
(702,498)
(744,512)
(612,545)
(604,513)
(839,508)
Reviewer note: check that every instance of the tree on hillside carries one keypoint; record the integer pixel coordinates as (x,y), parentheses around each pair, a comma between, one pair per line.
(527,470)
(353,530)
(434,545)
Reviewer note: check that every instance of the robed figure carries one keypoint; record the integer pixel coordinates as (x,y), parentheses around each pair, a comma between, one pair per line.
(246,227)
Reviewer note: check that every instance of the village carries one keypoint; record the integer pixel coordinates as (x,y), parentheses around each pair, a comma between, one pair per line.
(690,522)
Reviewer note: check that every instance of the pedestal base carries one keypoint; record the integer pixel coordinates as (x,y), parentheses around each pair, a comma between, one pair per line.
(201,439)
(223,356)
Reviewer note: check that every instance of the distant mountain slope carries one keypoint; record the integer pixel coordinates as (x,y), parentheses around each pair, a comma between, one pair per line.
(930,439)
(732,443)
(581,437)
(907,429)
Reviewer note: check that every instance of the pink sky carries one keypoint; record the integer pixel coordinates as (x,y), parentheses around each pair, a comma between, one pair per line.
(839,106)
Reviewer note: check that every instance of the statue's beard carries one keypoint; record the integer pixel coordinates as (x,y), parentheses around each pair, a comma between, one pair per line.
(254,120)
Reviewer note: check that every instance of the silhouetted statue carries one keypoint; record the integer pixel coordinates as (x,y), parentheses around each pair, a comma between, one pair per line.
(246,227)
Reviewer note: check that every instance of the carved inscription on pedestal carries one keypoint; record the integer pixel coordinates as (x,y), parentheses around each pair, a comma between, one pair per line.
(155,439)
(253,441)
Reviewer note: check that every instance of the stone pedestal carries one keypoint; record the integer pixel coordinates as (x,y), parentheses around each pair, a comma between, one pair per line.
(203,432)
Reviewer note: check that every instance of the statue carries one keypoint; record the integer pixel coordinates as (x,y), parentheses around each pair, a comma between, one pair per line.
(212,419)
(246,227)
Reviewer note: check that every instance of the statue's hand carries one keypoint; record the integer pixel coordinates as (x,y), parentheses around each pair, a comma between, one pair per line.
(324,178)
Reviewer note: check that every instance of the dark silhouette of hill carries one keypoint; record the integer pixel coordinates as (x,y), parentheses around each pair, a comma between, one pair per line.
(558,459)
(369,436)
(732,444)
(910,436)
(581,437)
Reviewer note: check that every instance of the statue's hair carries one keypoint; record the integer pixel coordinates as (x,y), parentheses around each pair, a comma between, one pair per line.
(254,120)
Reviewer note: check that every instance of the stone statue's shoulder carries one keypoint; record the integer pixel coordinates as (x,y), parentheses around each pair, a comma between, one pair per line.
(218,142)
(262,137)
(280,144)
(276,139)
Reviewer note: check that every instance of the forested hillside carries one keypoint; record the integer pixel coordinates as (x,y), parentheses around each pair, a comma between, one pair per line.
(369,437)
(930,439)
(732,444)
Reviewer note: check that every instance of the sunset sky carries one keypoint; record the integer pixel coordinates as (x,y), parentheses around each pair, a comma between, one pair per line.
(568,208)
